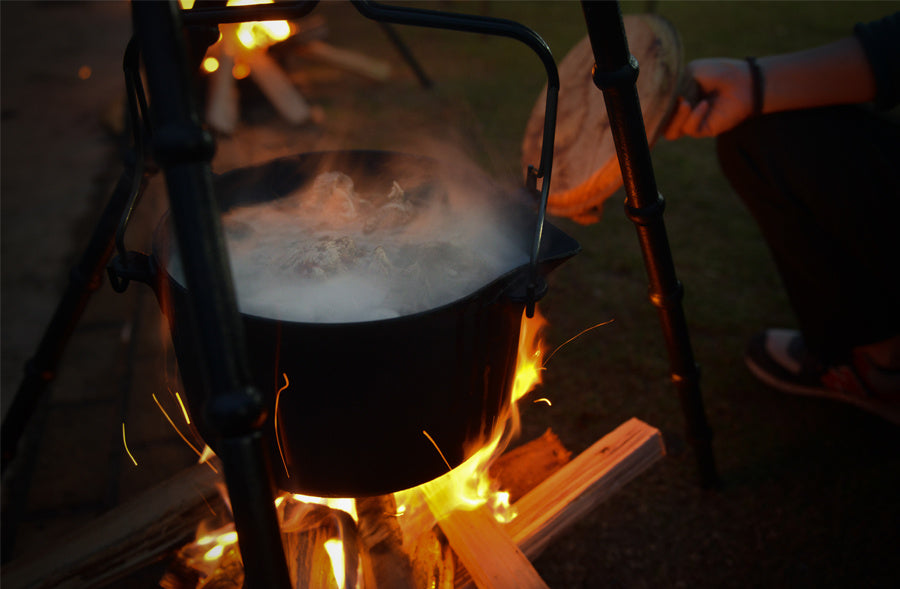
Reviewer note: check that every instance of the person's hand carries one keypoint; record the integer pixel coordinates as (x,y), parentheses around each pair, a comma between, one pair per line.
(725,99)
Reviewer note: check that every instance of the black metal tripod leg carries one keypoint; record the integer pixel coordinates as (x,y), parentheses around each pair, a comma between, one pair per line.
(234,409)
(615,73)
(407,54)
(84,279)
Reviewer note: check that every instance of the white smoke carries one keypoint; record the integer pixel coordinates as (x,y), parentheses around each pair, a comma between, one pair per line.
(333,252)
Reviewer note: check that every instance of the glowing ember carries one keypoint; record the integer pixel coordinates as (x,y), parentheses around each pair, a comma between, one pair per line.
(210,64)
(240,71)
(468,486)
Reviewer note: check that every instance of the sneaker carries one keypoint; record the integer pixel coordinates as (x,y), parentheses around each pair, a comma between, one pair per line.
(779,358)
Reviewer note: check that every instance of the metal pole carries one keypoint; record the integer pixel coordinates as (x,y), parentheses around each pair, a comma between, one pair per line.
(84,279)
(615,73)
(234,408)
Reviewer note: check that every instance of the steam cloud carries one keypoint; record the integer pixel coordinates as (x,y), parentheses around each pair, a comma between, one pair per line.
(345,249)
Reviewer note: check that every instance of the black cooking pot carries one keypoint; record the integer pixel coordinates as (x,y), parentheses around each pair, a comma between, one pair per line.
(369,403)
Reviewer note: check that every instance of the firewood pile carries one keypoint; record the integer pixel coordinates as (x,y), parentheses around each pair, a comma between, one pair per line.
(240,54)
(548,489)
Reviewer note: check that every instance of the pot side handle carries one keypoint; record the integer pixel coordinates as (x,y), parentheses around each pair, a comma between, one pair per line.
(124,268)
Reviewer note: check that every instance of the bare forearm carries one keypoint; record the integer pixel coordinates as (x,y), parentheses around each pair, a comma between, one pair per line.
(837,73)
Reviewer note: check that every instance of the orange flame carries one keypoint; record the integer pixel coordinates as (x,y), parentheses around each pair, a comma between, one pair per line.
(238,41)
(335,550)
(531,352)
(469,486)
(260,34)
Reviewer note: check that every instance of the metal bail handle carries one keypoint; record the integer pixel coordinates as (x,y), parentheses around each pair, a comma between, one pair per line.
(501,28)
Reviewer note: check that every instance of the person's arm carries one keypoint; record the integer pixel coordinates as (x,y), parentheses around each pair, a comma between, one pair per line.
(836,73)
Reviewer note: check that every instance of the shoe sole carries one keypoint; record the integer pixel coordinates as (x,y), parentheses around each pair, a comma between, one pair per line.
(883,410)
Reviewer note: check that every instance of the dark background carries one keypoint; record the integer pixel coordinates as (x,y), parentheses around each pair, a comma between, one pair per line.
(809,495)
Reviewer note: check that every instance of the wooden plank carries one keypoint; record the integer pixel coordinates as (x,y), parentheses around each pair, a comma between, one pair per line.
(223,103)
(575,489)
(523,468)
(126,538)
(278,88)
(486,551)
(578,487)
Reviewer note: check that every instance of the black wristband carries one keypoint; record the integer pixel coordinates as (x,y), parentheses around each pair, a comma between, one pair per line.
(758,86)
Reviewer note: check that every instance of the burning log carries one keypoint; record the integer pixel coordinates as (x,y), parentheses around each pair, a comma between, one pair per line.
(523,468)
(398,557)
(385,563)
(322,546)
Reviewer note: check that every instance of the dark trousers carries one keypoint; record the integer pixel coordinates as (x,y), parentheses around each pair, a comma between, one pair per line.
(824,187)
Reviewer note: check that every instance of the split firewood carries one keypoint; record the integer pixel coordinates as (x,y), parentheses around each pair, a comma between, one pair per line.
(223,102)
(582,484)
(312,27)
(523,468)
(351,61)
(487,552)
(573,491)
(434,564)
(277,87)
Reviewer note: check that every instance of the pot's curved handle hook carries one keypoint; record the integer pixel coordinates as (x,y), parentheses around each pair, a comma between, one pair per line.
(503,28)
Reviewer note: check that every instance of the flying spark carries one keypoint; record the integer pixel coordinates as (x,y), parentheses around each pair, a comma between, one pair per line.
(125,443)
(178,431)
(433,443)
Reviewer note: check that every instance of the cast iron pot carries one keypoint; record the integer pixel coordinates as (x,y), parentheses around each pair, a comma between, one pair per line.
(362,395)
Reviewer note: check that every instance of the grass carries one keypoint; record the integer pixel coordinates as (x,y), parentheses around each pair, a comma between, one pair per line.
(809,487)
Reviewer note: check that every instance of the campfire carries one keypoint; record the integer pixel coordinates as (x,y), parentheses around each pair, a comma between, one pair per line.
(383,541)
(477,524)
